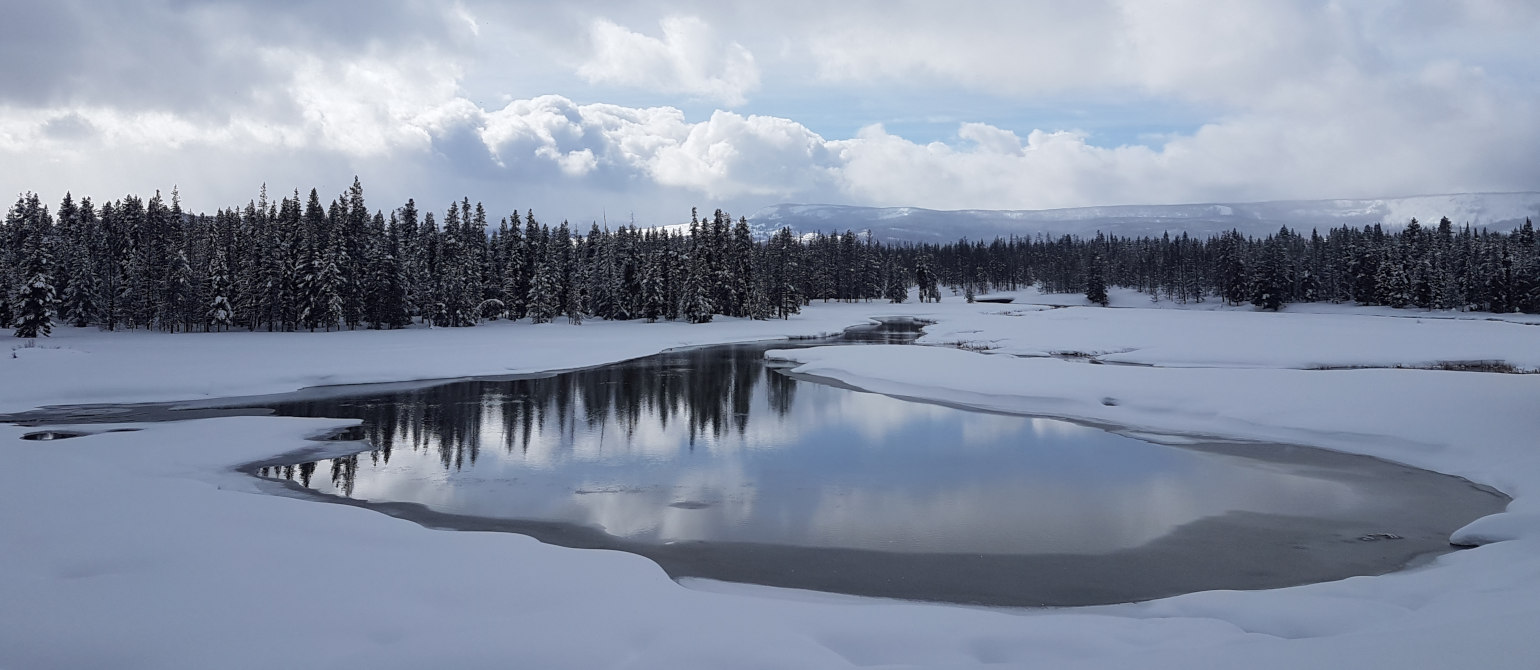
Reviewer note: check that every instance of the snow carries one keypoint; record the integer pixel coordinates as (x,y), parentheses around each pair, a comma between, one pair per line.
(1248,339)
(145,549)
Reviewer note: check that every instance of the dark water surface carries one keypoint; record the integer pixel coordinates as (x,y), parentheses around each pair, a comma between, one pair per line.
(716,465)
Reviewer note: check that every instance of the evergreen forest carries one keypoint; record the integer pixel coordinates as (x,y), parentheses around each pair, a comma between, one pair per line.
(300,264)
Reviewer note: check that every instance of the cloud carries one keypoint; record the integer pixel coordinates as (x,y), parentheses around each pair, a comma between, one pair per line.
(374,104)
(204,58)
(730,155)
(1309,144)
(1294,100)
(689,58)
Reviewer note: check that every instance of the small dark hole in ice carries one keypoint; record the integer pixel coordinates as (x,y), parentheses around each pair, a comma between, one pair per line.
(44,435)
(1110,401)
(690,504)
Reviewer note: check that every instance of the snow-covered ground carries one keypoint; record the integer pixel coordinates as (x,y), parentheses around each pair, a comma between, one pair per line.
(144,549)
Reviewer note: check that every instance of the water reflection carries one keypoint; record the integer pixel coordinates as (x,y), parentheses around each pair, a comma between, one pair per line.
(715,465)
(709,445)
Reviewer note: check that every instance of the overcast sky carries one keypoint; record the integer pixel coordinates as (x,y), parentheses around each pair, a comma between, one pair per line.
(586,110)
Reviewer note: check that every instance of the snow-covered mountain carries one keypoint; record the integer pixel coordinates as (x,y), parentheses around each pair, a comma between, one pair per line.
(1497,211)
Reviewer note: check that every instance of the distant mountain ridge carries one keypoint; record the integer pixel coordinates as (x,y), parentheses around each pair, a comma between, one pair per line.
(1497,211)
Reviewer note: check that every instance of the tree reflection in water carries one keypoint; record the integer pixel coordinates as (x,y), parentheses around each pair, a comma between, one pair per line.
(711,391)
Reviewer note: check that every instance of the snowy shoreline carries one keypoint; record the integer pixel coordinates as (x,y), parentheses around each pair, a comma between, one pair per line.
(152,552)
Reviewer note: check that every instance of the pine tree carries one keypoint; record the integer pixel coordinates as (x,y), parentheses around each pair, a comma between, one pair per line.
(473,271)
(543,295)
(1095,281)
(328,284)
(896,289)
(925,277)
(695,300)
(577,283)
(654,299)
(34,298)
(759,305)
(1503,298)
(1232,268)
(738,269)
(1270,284)
(77,235)
(180,294)
(221,315)
(387,307)
(696,306)
(353,265)
(1392,285)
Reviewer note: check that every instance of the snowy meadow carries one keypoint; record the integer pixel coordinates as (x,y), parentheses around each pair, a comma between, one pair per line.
(140,545)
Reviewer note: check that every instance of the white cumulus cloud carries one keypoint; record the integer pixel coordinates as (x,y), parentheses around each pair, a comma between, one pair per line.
(689,58)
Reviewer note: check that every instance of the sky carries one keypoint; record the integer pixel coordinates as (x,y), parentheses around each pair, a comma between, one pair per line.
(621,112)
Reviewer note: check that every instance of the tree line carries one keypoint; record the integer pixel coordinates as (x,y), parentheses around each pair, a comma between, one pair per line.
(1443,267)
(295,263)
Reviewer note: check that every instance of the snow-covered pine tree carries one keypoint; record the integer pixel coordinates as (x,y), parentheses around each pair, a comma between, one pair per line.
(672,266)
(738,269)
(533,250)
(1502,298)
(409,255)
(353,263)
(391,304)
(136,283)
(895,286)
(180,294)
(925,277)
(221,314)
(759,305)
(654,300)
(696,304)
(595,268)
(34,298)
(874,275)
(1270,282)
(1096,280)
(782,274)
(450,288)
(628,263)
(695,298)
(8,241)
(78,298)
(559,251)
(515,282)
(1392,285)
(577,282)
(329,285)
(1231,259)
(543,290)
(473,272)
(66,254)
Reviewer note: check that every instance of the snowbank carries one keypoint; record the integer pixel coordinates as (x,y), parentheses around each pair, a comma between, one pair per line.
(143,549)
(1190,338)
